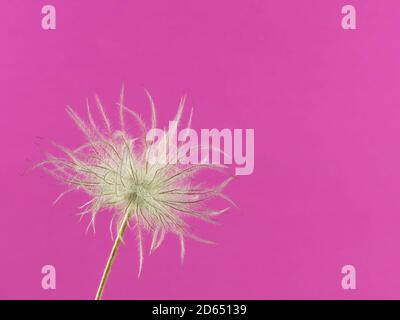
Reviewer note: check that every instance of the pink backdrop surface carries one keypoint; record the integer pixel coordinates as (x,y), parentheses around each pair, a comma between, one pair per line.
(324,103)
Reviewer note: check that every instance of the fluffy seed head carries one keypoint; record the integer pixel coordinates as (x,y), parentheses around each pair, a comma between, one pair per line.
(112,167)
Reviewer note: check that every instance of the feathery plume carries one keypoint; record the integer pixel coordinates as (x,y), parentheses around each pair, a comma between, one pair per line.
(112,167)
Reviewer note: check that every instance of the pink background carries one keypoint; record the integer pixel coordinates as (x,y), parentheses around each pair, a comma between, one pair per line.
(324,103)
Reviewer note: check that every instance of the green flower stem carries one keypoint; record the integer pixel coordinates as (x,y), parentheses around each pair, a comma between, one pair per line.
(111,258)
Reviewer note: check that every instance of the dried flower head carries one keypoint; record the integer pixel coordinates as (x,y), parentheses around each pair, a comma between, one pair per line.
(113,168)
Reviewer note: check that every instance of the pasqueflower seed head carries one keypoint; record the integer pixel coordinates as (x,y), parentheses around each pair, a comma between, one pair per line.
(113,168)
